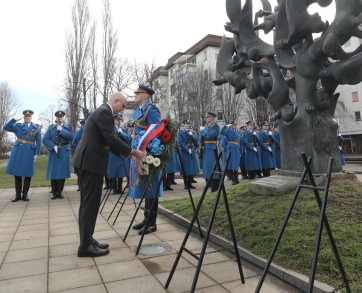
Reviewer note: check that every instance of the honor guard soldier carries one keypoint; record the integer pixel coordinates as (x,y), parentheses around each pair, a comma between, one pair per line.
(340,148)
(244,174)
(24,153)
(265,141)
(232,134)
(276,146)
(224,145)
(252,157)
(189,143)
(57,139)
(118,166)
(210,134)
(145,115)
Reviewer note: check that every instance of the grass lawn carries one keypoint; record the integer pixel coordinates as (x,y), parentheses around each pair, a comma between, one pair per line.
(257,221)
(7,181)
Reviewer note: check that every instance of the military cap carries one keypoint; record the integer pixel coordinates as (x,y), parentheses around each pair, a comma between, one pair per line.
(129,124)
(186,121)
(144,89)
(59,113)
(242,127)
(82,121)
(210,114)
(248,122)
(233,122)
(256,127)
(264,123)
(27,112)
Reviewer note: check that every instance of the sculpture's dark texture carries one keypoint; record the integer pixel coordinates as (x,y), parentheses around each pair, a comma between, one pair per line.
(313,68)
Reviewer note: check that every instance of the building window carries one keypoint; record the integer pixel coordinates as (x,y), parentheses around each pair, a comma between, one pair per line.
(357,115)
(205,55)
(355,97)
(193,61)
(173,89)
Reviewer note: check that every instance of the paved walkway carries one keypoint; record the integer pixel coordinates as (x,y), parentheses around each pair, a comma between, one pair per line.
(39,241)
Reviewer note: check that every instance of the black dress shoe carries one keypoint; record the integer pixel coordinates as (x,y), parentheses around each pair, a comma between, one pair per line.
(174,183)
(193,181)
(139,226)
(16,198)
(100,245)
(148,229)
(169,188)
(106,187)
(25,197)
(54,196)
(92,251)
(60,195)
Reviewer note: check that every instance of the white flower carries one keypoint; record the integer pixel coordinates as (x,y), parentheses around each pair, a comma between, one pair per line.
(150,160)
(156,162)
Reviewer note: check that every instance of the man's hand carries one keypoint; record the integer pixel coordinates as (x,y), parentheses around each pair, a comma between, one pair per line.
(35,157)
(228,125)
(17,119)
(137,154)
(56,149)
(255,150)
(202,128)
(270,133)
(59,128)
(269,149)
(190,132)
(254,133)
(190,151)
(120,130)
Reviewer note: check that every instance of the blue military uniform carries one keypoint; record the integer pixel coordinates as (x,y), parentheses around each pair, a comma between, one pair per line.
(267,156)
(58,167)
(77,137)
(22,159)
(252,157)
(224,145)
(340,146)
(276,149)
(170,170)
(189,143)
(233,138)
(210,134)
(244,174)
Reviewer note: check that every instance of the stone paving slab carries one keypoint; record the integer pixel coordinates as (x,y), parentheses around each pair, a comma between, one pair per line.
(39,241)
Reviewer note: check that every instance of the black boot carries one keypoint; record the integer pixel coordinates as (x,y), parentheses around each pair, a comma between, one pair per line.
(106,179)
(164,182)
(251,174)
(236,177)
(113,185)
(60,188)
(54,185)
(185,182)
(18,183)
(173,182)
(193,180)
(169,181)
(215,185)
(119,185)
(151,226)
(189,181)
(26,187)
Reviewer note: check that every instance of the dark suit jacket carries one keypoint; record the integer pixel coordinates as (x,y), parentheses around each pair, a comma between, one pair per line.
(98,137)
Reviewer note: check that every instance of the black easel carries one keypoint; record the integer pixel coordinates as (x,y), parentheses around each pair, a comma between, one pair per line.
(149,212)
(215,171)
(108,192)
(322,220)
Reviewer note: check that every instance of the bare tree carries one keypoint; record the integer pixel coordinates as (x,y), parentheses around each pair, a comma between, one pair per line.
(9,106)
(231,104)
(123,75)
(109,48)
(78,43)
(94,70)
(143,71)
(46,116)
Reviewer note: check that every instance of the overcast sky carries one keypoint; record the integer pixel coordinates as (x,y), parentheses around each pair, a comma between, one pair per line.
(33,37)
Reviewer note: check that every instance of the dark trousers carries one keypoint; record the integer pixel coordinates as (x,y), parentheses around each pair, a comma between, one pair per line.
(151,213)
(90,200)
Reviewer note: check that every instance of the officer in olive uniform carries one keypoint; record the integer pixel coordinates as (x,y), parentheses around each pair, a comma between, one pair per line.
(57,139)
(233,135)
(24,153)
(189,143)
(210,134)
(265,141)
(145,115)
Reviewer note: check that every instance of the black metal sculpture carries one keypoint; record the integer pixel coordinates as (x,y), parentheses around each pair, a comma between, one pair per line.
(312,68)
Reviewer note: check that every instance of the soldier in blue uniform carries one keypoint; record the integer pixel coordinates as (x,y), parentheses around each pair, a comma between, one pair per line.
(276,146)
(233,135)
(24,153)
(145,115)
(57,139)
(252,157)
(244,174)
(189,143)
(224,145)
(340,147)
(265,141)
(210,134)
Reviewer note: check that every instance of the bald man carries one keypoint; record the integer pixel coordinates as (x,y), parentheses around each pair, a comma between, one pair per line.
(90,160)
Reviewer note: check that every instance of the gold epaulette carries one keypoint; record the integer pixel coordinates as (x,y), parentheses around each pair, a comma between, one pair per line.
(33,133)
(138,122)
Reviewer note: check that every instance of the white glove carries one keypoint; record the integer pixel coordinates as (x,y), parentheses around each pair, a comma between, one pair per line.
(17,119)
(190,132)
(35,157)
(270,133)
(338,133)
(229,125)
(190,151)
(120,130)
(340,148)
(269,149)
(254,133)
(56,149)
(59,128)
(255,150)
(202,128)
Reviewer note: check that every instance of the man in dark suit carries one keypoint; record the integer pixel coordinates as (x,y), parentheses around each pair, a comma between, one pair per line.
(90,160)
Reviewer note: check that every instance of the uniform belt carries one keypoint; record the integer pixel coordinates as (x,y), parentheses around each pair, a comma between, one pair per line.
(266,142)
(234,142)
(210,141)
(189,144)
(25,141)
